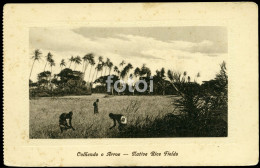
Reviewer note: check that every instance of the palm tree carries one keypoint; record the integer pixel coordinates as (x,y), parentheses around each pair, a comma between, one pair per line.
(72,59)
(92,63)
(137,72)
(159,80)
(116,70)
(100,59)
(35,57)
(102,67)
(106,65)
(99,68)
(175,77)
(122,63)
(126,70)
(130,66)
(77,61)
(110,65)
(48,59)
(145,71)
(85,59)
(94,73)
(52,63)
(62,63)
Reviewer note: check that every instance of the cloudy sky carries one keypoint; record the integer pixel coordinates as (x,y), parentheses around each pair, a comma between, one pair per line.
(191,49)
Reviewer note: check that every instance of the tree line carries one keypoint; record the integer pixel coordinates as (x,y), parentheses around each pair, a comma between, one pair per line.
(103,68)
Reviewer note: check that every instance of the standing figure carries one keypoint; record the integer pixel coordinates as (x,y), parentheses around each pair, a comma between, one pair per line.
(65,121)
(120,119)
(95,104)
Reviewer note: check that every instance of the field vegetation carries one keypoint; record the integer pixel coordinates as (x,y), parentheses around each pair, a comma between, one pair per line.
(177,106)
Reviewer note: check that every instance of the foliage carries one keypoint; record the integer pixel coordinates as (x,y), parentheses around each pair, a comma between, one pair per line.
(67,82)
(202,111)
(171,125)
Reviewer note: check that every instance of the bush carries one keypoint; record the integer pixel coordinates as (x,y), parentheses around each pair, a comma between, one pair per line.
(174,126)
(202,109)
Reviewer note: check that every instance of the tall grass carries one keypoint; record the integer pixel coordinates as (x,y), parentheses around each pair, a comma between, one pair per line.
(202,112)
(44,114)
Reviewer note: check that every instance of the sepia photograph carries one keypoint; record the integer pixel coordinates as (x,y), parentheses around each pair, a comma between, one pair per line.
(131,82)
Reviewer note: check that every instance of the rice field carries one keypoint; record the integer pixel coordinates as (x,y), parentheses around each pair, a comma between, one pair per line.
(45,112)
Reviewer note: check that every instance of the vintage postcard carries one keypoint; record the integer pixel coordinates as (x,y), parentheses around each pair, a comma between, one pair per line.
(140,84)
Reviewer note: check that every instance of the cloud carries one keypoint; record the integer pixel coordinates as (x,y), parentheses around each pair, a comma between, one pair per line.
(136,49)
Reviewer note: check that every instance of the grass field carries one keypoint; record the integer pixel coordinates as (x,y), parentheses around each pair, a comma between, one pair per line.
(45,112)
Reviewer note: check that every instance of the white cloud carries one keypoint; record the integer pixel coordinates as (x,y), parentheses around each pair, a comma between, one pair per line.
(180,55)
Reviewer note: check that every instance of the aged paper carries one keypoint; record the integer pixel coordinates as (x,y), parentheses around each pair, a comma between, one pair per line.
(194,97)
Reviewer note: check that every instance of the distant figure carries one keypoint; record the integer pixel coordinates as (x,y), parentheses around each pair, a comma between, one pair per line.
(120,119)
(65,121)
(95,104)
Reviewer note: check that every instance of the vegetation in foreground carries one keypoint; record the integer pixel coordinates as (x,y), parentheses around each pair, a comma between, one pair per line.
(45,111)
(202,112)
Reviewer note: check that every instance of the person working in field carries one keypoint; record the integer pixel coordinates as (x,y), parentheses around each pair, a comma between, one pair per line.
(65,121)
(120,119)
(95,104)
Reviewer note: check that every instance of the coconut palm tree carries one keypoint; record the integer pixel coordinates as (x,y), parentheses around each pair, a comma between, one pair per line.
(102,67)
(116,70)
(92,63)
(137,72)
(94,73)
(85,59)
(110,65)
(77,61)
(126,70)
(106,65)
(72,59)
(62,63)
(52,63)
(175,78)
(95,70)
(160,81)
(99,68)
(35,57)
(130,66)
(48,59)
(122,63)
(100,59)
